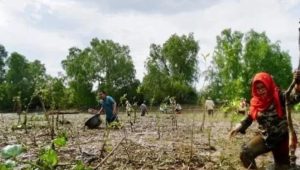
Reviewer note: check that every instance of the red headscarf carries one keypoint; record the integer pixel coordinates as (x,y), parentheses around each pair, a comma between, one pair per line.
(257,103)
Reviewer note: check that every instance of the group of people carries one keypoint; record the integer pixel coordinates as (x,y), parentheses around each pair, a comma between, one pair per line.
(129,109)
(267,107)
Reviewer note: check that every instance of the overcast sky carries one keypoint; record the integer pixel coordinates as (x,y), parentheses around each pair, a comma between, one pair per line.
(46,29)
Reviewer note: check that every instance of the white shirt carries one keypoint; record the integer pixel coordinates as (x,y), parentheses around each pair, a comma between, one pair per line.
(209,105)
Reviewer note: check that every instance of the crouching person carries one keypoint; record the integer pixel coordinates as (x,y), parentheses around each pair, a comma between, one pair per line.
(267,107)
(108,106)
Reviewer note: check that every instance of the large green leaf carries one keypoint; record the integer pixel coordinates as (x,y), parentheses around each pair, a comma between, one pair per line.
(49,158)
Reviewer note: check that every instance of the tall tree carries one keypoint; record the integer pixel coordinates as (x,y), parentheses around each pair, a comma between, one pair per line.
(227,60)
(172,69)
(262,55)
(79,71)
(114,68)
(237,58)
(18,83)
(3,55)
(105,63)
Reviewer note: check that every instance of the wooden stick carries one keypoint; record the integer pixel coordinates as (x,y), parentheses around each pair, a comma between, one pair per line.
(104,159)
(292,134)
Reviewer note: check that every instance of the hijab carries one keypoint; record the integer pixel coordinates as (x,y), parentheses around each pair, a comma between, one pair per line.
(260,104)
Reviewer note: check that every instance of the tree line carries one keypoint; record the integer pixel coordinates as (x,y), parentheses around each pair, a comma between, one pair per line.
(172,69)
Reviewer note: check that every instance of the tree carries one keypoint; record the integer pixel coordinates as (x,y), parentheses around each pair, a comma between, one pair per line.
(3,55)
(237,58)
(262,55)
(105,63)
(172,69)
(18,83)
(79,69)
(114,69)
(227,61)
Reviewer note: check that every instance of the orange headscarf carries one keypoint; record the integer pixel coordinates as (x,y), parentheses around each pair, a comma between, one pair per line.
(257,103)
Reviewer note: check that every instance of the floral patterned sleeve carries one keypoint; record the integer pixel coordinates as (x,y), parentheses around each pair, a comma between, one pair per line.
(245,123)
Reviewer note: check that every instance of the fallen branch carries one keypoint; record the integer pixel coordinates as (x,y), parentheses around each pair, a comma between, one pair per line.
(104,159)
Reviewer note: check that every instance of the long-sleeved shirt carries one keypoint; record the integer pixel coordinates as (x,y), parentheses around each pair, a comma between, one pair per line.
(272,127)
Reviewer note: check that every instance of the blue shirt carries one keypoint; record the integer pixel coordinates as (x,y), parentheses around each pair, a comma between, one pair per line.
(108,106)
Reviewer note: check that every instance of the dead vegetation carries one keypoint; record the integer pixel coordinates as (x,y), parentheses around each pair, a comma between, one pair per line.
(153,144)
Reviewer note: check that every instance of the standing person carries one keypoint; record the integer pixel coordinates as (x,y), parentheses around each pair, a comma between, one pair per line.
(143,108)
(209,106)
(267,107)
(128,108)
(108,105)
(178,108)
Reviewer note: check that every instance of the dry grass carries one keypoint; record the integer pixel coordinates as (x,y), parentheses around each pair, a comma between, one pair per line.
(185,148)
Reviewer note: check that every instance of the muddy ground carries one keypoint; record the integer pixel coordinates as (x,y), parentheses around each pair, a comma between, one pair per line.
(152,142)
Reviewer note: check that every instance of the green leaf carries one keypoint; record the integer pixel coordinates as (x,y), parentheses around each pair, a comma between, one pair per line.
(80,166)
(49,158)
(60,141)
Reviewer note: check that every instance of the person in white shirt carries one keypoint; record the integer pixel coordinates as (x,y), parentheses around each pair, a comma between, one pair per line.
(209,106)
(143,108)
(128,108)
(178,108)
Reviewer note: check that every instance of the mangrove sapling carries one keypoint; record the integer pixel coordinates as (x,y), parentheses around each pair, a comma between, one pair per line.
(158,124)
(17,107)
(192,137)
(125,145)
(209,137)
(105,140)
(113,150)
(174,115)
(134,111)
(25,122)
(203,121)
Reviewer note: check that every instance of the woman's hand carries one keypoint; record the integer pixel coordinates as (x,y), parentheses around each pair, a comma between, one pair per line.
(235,131)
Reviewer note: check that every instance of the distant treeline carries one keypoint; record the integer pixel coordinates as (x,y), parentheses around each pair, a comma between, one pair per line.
(172,69)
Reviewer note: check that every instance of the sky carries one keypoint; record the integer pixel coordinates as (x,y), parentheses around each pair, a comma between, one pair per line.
(46,29)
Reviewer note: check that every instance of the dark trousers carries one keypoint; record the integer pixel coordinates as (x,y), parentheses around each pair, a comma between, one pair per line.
(112,119)
(210,112)
(256,146)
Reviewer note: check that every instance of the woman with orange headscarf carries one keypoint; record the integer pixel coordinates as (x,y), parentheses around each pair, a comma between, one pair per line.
(268,109)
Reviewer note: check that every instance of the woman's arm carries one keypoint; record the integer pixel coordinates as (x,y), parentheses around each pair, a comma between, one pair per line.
(242,126)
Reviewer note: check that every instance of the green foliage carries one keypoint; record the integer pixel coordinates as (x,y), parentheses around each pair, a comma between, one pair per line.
(22,79)
(236,118)
(237,57)
(105,63)
(3,55)
(172,70)
(115,125)
(80,166)
(48,158)
(231,106)
(297,107)
(60,141)
(3,166)
(79,67)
